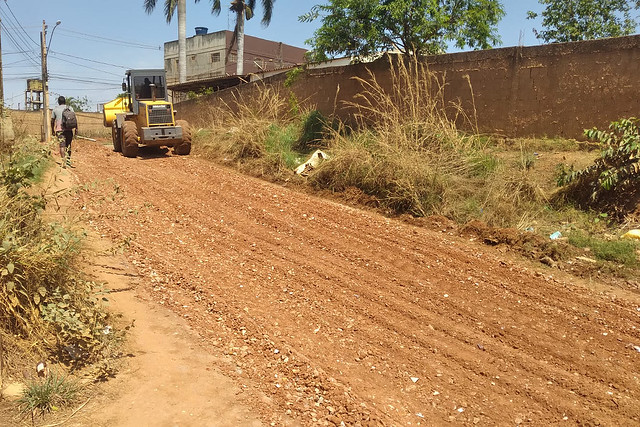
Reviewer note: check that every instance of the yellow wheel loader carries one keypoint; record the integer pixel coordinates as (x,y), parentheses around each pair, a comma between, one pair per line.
(144,116)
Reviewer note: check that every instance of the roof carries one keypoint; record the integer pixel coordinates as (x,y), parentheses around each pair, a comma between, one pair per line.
(217,83)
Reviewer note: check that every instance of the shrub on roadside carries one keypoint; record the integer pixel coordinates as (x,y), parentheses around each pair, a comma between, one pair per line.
(408,153)
(611,183)
(43,297)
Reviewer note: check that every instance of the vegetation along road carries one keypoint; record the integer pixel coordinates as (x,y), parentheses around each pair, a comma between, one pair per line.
(328,314)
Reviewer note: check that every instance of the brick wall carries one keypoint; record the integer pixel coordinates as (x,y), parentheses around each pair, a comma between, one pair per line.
(554,90)
(30,123)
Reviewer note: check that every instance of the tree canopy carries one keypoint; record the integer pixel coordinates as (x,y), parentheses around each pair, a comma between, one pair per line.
(365,27)
(575,20)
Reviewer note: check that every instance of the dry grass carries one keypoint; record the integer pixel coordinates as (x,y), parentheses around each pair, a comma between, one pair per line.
(404,151)
(408,153)
(44,299)
(238,130)
(255,133)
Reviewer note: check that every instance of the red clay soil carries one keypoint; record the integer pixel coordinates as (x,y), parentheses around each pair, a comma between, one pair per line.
(334,315)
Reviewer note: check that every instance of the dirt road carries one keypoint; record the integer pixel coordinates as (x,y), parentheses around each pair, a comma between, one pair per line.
(327,314)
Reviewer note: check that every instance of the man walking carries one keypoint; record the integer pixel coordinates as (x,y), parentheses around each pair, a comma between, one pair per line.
(63,128)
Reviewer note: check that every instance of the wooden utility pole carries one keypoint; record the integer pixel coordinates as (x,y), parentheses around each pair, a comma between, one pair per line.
(1,79)
(1,137)
(45,86)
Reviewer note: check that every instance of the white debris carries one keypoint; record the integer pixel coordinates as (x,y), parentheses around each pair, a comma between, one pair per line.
(313,162)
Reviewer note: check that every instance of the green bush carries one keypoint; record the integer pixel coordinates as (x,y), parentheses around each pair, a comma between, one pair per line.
(43,297)
(611,183)
(312,133)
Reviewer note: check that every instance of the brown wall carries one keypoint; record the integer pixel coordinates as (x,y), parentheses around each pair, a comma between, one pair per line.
(30,122)
(555,90)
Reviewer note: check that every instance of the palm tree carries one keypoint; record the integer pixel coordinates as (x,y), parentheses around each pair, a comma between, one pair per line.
(169,9)
(244,10)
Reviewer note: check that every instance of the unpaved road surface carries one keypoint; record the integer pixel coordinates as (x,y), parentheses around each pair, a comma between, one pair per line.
(321,314)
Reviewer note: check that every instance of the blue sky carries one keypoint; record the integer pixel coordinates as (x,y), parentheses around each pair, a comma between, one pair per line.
(97,41)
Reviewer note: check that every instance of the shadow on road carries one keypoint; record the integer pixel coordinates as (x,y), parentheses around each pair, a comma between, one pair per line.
(147,153)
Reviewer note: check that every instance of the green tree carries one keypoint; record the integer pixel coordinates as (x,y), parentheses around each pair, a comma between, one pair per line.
(365,27)
(574,20)
(78,104)
(244,11)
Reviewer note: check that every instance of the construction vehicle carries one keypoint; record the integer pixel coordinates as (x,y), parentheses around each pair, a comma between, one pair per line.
(143,115)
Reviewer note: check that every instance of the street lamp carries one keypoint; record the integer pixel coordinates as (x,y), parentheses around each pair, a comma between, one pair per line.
(46,134)
(51,36)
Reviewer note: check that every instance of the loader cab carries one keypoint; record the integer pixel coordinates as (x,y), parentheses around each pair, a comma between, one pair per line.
(144,85)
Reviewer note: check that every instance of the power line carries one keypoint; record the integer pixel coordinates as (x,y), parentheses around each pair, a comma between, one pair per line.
(18,39)
(18,44)
(127,43)
(20,61)
(19,24)
(88,60)
(82,80)
(88,67)
(13,53)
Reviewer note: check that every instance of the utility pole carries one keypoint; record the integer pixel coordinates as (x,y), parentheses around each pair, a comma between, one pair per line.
(1,119)
(1,79)
(45,86)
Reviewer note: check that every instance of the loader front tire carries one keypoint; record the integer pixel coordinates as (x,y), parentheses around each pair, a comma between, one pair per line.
(116,137)
(184,147)
(129,139)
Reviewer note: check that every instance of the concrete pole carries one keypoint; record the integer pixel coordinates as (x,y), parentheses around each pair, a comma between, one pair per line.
(182,41)
(240,41)
(46,122)
(1,78)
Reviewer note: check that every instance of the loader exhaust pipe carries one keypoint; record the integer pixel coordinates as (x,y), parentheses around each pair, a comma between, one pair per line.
(153,91)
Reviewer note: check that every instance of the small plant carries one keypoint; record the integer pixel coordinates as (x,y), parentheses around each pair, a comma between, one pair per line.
(619,164)
(313,130)
(292,76)
(49,394)
(618,251)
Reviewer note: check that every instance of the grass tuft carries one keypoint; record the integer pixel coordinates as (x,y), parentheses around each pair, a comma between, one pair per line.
(50,394)
(618,251)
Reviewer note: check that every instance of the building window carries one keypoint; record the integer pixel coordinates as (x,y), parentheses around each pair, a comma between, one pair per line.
(233,57)
(215,57)
(193,57)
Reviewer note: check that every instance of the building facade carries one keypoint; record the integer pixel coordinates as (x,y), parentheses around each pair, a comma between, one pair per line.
(207,56)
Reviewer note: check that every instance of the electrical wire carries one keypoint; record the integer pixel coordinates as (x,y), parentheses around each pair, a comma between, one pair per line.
(18,44)
(88,60)
(18,62)
(84,80)
(18,39)
(109,40)
(19,24)
(88,67)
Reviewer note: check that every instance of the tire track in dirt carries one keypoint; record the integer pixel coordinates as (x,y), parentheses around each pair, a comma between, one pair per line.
(357,304)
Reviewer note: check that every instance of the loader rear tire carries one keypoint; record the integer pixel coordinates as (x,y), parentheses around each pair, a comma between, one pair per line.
(116,137)
(184,147)
(129,139)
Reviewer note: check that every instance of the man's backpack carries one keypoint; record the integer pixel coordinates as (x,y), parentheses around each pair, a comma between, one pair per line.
(69,120)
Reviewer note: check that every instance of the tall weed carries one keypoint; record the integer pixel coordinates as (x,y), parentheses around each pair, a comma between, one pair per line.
(258,132)
(408,153)
(43,296)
